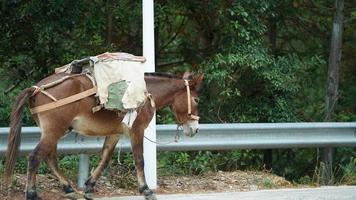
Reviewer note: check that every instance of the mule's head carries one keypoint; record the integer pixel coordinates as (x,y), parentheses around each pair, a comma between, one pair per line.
(185,105)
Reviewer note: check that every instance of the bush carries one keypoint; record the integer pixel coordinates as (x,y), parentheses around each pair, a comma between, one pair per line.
(349,172)
(69,165)
(200,162)
(2,167)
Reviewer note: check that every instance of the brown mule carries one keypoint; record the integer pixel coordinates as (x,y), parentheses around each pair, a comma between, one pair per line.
(166,91)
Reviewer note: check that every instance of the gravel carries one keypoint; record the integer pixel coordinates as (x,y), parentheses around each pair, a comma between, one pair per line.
(125,184)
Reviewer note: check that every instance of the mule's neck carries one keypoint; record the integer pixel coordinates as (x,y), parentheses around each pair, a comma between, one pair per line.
(164,89)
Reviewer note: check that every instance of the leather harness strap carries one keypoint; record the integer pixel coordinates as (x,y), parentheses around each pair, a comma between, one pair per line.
(39,89)
(64,101)
(190,115)
(86,93)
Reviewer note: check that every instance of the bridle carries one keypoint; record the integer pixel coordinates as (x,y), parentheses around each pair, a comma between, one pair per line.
(190,115)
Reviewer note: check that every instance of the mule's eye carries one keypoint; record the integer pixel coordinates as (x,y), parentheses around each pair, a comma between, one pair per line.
(196,99)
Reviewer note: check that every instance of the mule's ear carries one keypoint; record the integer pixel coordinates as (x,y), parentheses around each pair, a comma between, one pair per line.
(187,75)
(197,80)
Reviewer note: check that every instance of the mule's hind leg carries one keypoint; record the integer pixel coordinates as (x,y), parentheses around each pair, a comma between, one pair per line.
(107,151)
(41,152)
(53,164)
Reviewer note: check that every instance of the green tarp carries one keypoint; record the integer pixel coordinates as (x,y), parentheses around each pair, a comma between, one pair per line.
(116,91)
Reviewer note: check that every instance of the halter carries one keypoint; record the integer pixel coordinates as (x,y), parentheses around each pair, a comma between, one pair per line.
(190,115)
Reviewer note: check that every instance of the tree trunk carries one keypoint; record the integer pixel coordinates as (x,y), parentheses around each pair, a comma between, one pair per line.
(272,36)
(332,85)
(334,60)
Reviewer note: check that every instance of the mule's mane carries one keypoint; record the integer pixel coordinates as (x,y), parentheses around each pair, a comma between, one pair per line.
(162,75)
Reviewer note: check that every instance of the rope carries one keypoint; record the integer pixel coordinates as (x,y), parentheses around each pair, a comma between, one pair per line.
(176,138)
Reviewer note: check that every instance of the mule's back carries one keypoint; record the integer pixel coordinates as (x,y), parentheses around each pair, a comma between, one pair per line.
(119,78)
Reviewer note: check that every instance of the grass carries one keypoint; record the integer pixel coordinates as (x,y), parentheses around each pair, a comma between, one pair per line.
(306,180)
(2,168)
(268,183)
(349,172)
(344,173)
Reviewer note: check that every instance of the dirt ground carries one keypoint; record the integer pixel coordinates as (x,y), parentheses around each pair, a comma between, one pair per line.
(116,185)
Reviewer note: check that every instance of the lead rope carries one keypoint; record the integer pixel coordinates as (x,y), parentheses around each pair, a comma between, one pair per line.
(176,138)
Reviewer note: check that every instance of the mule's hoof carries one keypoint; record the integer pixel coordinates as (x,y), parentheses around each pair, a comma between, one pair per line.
(68,189)
(149,195)
(89,196)
(32,195)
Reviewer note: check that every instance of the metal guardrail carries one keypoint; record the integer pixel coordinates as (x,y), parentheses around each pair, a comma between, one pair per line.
(210,137)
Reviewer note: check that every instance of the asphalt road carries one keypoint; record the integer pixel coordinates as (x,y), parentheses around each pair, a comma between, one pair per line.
(322,193)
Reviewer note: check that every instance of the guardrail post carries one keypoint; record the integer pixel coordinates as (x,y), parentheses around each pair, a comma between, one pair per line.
(83,170)
(267,159)
(327,174)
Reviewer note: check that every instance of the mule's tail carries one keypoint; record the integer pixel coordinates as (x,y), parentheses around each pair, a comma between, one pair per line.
(14,138)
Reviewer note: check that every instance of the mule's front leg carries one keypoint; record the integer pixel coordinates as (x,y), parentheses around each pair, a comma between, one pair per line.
(137,148)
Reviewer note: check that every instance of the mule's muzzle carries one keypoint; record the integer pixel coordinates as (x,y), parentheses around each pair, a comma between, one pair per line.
(191,128)
(193,132)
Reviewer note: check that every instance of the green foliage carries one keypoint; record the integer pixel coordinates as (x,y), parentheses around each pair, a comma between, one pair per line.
(21,165)
(263,61)
(93,161)
(15,183)
(268,183)
(349,172)
(295,163)
(207,161)
(305,180)
(165,116)
(241,159)
(2,167)
(69,165)
(126,159)
(175,163)
(43,168)
(5,110)
(203,162)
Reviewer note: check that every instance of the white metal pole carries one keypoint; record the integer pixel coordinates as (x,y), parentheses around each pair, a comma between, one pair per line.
(149,148)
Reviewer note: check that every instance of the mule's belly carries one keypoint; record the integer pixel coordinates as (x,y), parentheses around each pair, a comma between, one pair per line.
(99,124)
